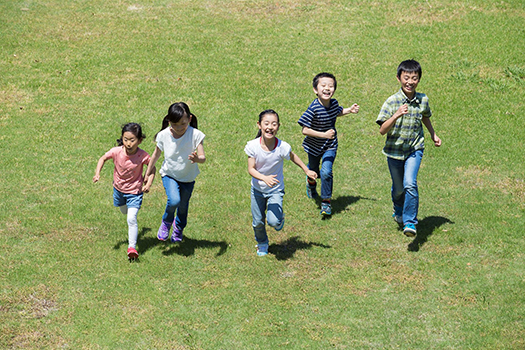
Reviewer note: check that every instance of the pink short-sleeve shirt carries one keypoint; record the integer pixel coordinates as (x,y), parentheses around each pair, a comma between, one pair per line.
(128,175)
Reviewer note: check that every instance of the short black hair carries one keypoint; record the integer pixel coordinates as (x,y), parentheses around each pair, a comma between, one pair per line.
(324,75)
(409,66)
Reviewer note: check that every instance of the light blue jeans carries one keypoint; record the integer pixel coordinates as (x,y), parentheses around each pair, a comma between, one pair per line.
(266,206)
(405,194)
(179,194)
(326,160)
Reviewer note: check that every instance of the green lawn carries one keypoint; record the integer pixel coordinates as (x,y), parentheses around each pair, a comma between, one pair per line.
(72,72)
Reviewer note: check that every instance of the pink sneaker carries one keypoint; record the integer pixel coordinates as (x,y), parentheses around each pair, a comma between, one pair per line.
(132,253)
(164,231)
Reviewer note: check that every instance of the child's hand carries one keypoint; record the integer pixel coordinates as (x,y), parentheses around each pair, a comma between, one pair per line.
(270,180)
(401,111)
(193,157)
(354,109)
(311,174)
(96,178)
(330,134)
(146,188)
(437,140)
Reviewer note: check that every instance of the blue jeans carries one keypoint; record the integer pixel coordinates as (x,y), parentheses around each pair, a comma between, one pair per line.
(405,194)
(179,194)
(327,177)
(262,203)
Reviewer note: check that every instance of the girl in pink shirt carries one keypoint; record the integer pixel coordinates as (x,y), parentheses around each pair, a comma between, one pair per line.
(129,184)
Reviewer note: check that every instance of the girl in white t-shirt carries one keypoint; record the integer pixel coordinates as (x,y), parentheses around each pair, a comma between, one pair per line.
(183,148)
(266,154)
(128,183)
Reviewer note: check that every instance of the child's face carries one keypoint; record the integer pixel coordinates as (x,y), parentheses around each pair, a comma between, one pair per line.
(179,128)
(325,89)
(131,142)
(409,83)
(269,126)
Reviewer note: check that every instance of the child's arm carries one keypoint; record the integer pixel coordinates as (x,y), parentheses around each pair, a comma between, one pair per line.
(152,161)
(330,134)
(390,122)
(198,156)
(433,136)
(148,181)
(100,164)
(354,109)
(294,158)
(270,180)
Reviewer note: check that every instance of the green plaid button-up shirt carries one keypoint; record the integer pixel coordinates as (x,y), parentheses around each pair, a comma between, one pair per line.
(406,136)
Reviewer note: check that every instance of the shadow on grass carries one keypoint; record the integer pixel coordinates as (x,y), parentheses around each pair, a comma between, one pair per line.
(340,204)
(286,250)
(425,229)
(188,245)
(185,248)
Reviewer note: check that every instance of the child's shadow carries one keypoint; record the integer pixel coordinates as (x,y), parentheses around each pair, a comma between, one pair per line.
(188,245)
(286,250)
(340,204)
(425,229)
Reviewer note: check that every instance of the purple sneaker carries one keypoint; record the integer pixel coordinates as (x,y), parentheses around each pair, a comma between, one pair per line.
(164,231)
(176,236)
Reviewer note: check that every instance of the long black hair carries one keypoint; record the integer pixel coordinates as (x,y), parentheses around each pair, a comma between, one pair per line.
(176,112)
(261,115)
(133,128)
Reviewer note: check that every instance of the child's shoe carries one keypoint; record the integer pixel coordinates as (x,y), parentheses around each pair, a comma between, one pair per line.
(132,253)
(409,230)
(311,192)
(398,218)
(164,231)
(262,249)
(326,208)
(280,227)
(176,236)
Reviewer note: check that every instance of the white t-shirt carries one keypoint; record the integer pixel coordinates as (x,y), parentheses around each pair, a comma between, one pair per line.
(268,163)
(176,151)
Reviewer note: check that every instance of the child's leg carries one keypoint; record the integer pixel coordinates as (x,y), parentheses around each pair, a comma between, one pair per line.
(397,173)
(173,193)
(314,162)
(124,209)
(258,206)
(185,191)
(411,205)
(275,214)
(133,227)
(327,175)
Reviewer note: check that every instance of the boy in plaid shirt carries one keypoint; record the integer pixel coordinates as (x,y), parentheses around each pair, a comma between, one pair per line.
(402,118)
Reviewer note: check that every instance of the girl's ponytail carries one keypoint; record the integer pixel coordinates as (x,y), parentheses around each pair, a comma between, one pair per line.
(165,123)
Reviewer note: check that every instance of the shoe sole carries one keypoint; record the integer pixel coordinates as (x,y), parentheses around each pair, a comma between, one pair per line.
(409,233)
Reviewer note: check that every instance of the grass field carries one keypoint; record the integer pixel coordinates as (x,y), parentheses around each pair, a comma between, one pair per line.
(72,72)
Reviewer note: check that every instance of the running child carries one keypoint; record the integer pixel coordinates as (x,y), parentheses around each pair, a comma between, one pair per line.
(128,182)
(266,154)
(401,118)
(320,143)
(182,144)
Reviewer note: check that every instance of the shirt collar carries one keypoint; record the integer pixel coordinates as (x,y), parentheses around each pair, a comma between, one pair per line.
(406,100)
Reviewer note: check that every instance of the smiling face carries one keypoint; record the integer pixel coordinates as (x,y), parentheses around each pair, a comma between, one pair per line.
(269,125)
(131,142)
(409,81)
(325,89)
(179,128)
